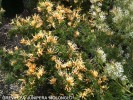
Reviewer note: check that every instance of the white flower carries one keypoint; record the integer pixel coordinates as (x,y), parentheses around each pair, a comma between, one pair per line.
(123,78)
(115,70)
(94,13)
(101,54)
(130,34)
(94,1)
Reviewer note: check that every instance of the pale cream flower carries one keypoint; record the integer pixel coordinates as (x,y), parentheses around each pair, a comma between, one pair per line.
(16,48)
(50,50)
(68,64)
(79,64)
(75,1)
(47,4)
(31,57)
(52,39)
(39,24)
(41,34)
(76,34)
(38,46)
(68,88)
(40,52)
(37,21)
(49,9)
(69,23)
(40,73)
(39,9)
(83,95)
(72,46)
(24,41)
(80,77)
(12,62)
(70,80)
(10,52)
(59,7)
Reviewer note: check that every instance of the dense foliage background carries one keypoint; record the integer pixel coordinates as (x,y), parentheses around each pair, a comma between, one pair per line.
(82,48)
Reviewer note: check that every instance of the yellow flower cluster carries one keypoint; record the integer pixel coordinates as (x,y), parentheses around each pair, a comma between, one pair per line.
(38,36)
(48,5)
(20,21)
(94,73)
(72,46)
(85,93)
(40,72)
(34,21)
(76,66)
(25,42)
(70,80)
(42,43)
(60,13)
(32,68)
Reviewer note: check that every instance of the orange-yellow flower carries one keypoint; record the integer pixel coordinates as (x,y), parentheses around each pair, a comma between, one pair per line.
(39,9)
(24,41)
(37,21)
(46,4)
(31,67)
(40,73)
(16,48)
(68,88)
(68,64)
(50,50)
(52,39)
(94,73)
(31,57)
(54,58)
(53,80)
(104,78)
(40,52)
(70,80)
(39,24)
(80,77)
(76,34)
(72,46)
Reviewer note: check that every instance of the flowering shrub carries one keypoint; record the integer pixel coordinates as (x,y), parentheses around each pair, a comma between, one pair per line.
(67,50)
